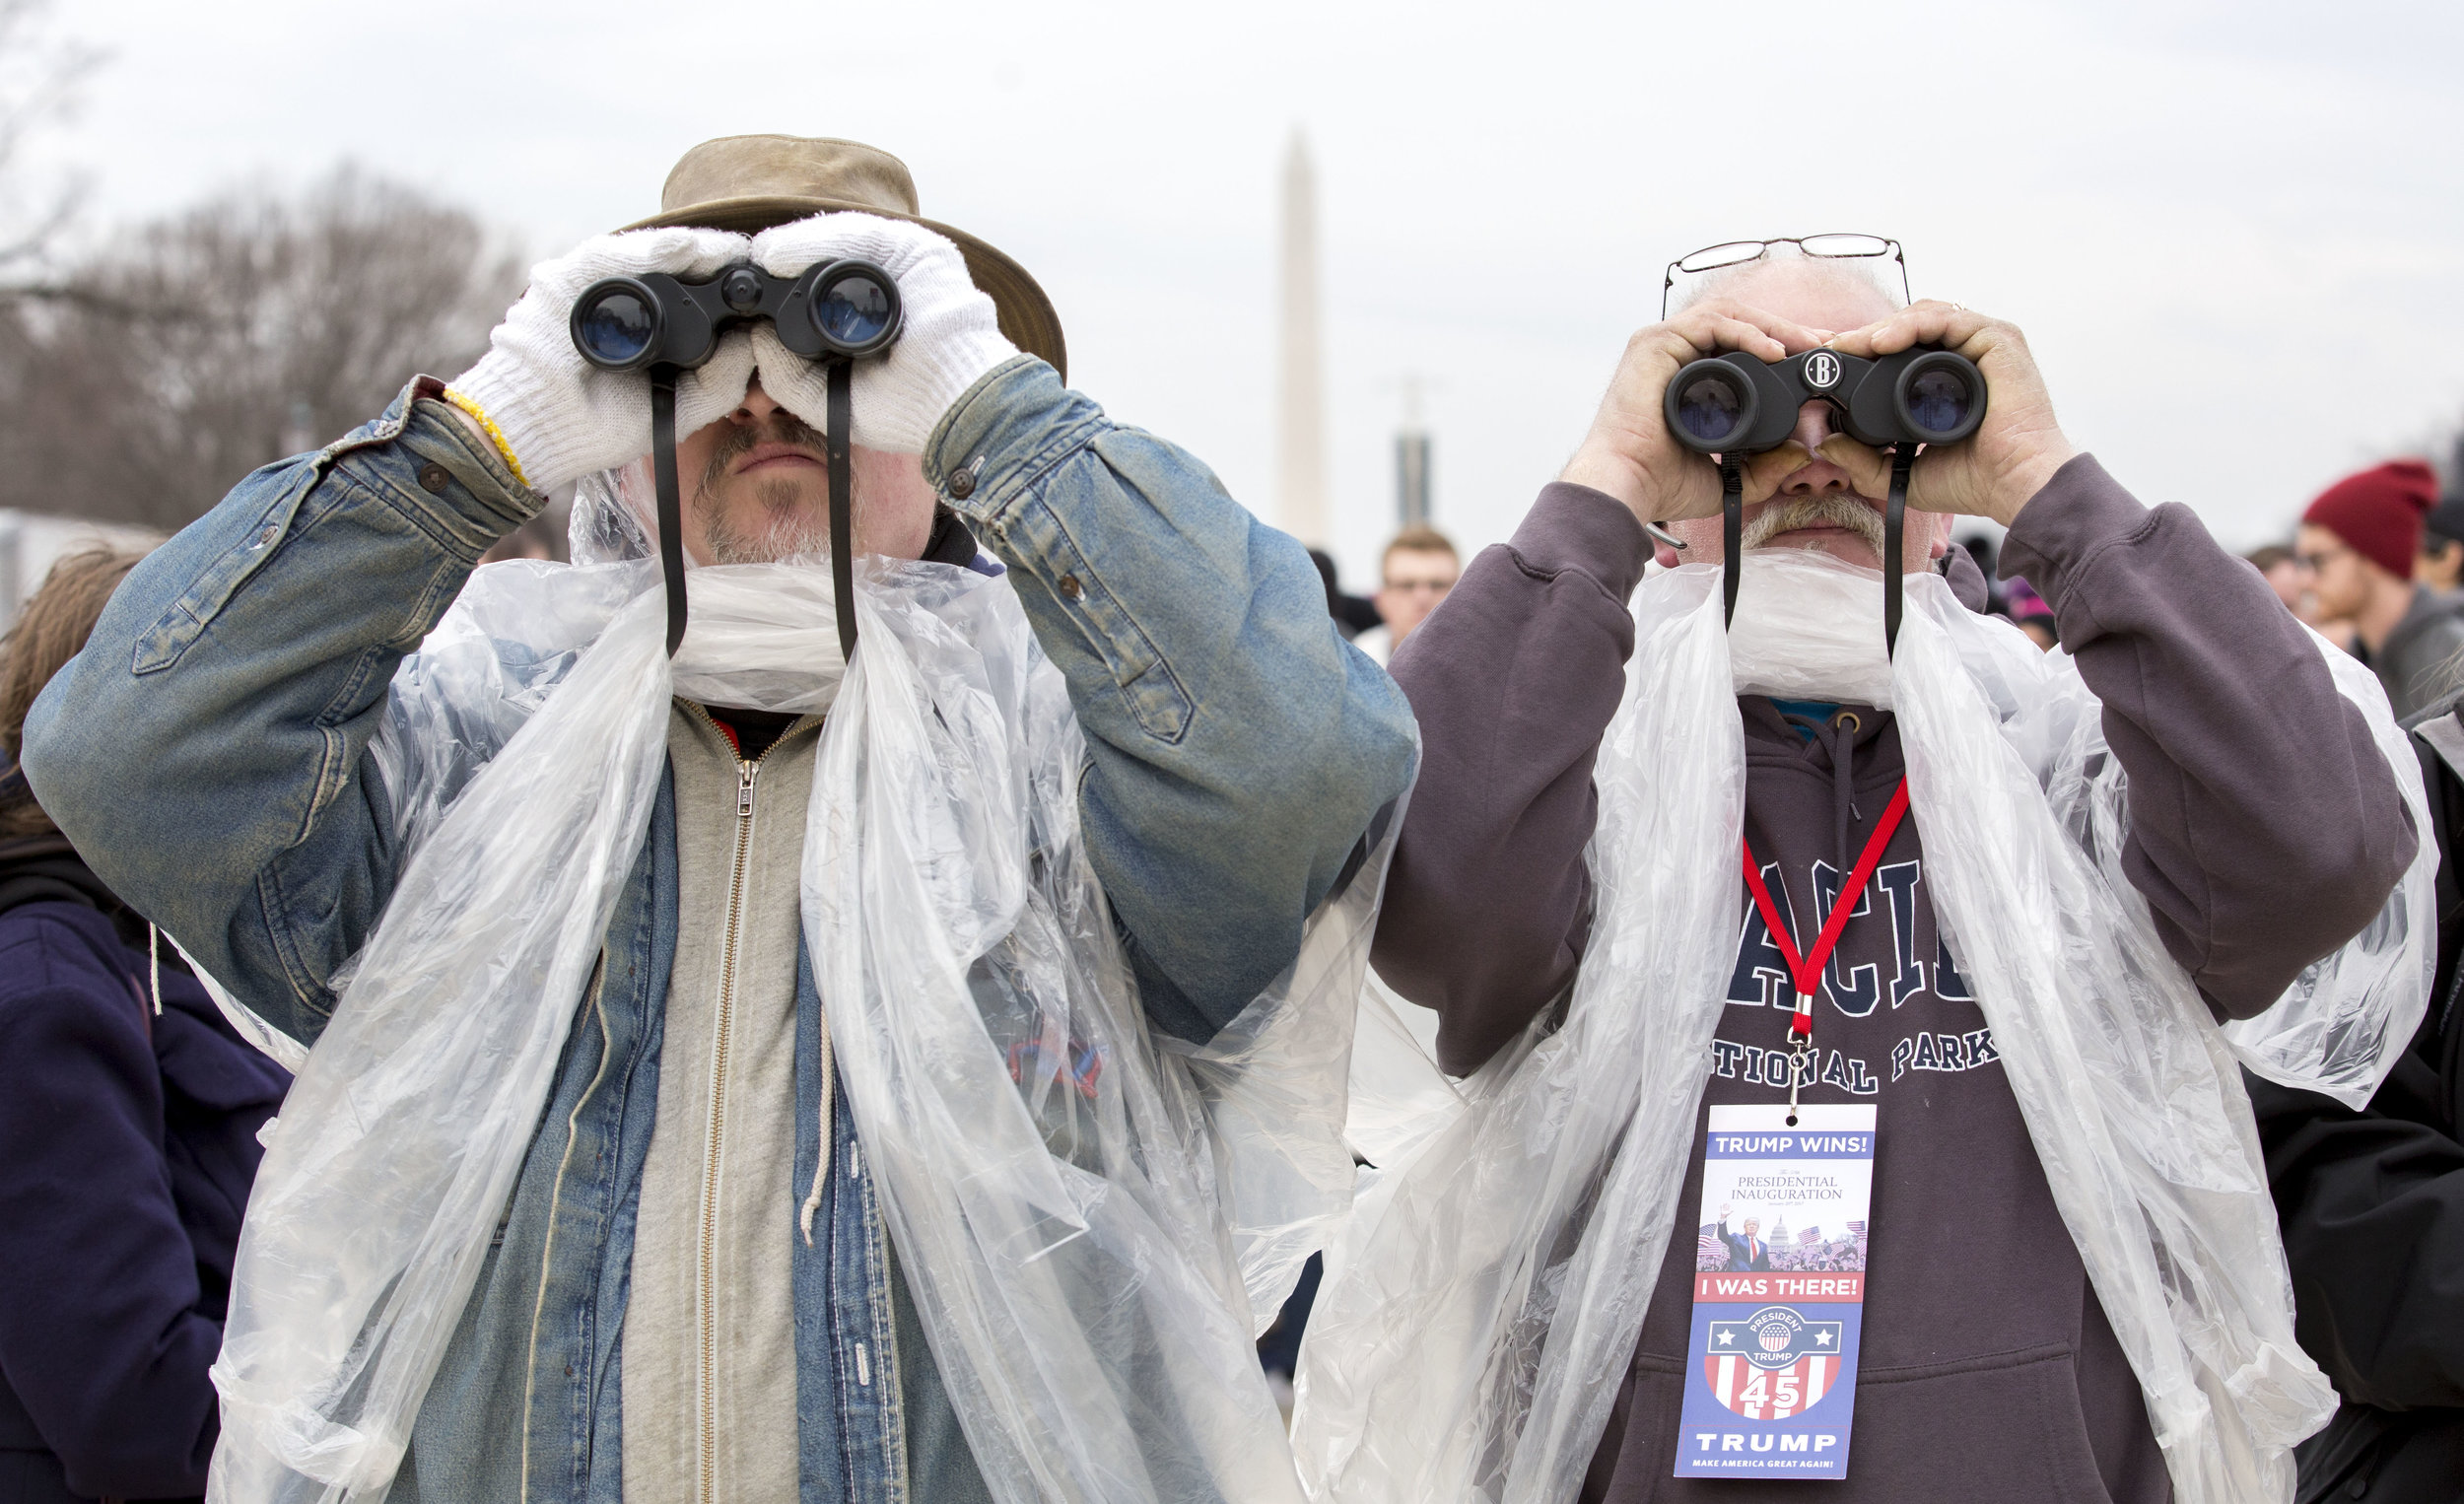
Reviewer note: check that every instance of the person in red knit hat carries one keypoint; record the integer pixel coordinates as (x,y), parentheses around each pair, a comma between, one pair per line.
(2359,538)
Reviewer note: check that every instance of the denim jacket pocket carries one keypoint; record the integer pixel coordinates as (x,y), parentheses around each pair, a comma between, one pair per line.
(1154,694)
(162,644)
(1148,684)
(1149,690)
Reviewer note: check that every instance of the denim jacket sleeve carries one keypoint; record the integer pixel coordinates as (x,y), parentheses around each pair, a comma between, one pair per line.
(1238,748)
(207,751)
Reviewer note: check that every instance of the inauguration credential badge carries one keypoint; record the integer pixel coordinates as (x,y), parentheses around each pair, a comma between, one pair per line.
(1779,1293)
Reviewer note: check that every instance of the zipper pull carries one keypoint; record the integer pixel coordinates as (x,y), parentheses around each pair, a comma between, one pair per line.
(744,788)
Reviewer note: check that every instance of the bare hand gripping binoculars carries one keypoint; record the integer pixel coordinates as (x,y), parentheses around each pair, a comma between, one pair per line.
(1734,406)
(835,312)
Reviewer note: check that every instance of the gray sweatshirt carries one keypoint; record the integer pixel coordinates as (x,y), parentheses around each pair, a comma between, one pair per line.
(2266,831)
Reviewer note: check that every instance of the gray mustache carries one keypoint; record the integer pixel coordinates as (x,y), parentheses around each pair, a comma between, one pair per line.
(1830,510)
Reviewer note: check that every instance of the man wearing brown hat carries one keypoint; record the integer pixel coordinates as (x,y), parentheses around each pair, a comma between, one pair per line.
(2361,538)
(693,1289)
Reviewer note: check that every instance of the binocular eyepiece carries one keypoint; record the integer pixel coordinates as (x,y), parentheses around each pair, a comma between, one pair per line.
(1735,404)
(837,309)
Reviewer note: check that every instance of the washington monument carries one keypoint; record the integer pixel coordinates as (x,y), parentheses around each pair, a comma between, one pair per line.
(1300,430)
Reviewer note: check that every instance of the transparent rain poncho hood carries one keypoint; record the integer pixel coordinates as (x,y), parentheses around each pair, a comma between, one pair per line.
(1489,1290)
(1095,1221)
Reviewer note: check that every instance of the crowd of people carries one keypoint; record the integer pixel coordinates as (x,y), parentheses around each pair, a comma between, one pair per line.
(2376,568)
(895,1047)
(1840,1253)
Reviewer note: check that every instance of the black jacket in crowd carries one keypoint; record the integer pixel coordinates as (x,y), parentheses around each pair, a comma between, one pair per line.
(2372,1208)
(127,1148)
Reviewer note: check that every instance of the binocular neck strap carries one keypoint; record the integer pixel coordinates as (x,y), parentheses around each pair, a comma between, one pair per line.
(1731,533)
(1894,536)
(670,507)
(842,423)
(834,438)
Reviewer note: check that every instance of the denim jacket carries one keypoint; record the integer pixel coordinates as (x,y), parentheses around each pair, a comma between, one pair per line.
(208,753)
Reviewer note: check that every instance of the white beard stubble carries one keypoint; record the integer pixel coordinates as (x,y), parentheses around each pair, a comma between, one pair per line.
(791,529)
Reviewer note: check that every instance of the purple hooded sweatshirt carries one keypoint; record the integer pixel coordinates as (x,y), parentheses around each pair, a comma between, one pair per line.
(2264,831)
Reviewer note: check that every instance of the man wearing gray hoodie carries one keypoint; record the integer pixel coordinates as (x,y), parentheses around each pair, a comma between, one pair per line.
(1989,1368)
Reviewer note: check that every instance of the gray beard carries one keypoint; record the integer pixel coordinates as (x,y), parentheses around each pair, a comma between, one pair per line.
(1830,509)
(791,531)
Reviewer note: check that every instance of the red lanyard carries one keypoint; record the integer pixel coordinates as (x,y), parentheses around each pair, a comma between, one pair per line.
(1805,971)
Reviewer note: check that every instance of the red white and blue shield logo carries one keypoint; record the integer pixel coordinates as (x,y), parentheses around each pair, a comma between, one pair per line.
(1773,1364)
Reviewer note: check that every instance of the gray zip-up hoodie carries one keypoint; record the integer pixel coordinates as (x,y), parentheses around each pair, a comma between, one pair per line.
(2266,831)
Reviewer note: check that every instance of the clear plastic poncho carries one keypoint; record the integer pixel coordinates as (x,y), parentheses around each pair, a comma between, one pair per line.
(1092,1251)
(1491,1284)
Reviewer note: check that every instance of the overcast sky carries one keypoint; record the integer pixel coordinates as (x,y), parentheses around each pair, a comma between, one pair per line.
(2233,232)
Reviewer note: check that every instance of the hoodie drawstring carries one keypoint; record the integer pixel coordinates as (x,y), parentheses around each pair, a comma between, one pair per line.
(828,1145)
(1840,741)
(1838,737)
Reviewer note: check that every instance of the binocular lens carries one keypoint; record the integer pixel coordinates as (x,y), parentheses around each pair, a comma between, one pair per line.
(1710,407)
(854,310)
(1939,400)
(617,327)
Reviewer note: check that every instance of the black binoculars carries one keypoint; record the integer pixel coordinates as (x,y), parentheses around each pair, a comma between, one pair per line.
(835,312)
(837,309)
(1735,404)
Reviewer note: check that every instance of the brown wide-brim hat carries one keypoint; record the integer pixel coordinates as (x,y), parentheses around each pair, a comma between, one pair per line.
(748,184)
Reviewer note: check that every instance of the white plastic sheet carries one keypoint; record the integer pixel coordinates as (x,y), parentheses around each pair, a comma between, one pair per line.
(2129,1092)
(1491,1301)
(2344,1021)
(1094,1246)
(1095,1222)
(1468,1349)
(404,1130)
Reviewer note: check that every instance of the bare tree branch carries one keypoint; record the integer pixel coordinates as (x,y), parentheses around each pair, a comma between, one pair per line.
(41,76)
(143,383)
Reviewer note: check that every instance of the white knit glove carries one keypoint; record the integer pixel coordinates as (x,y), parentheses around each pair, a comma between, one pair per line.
(951,335)
(564,418)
